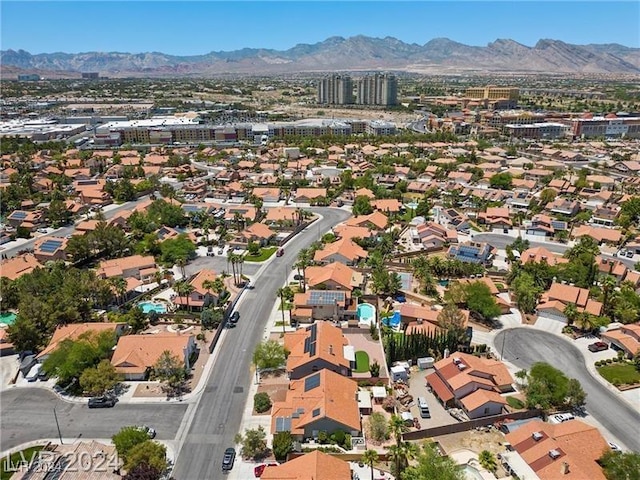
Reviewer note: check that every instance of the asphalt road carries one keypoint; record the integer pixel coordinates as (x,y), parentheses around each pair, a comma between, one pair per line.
(523,347)
(219,411)
(500,241)
(27,415)
(64,231)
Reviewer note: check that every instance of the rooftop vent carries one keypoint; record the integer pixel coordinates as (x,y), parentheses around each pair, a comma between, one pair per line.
(461,366)
(554,454)
(456,360)
(536,436)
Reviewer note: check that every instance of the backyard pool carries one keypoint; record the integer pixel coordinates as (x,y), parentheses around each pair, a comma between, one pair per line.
(366,313)
(7,318)
(393,321)
(148,307)
(472,473)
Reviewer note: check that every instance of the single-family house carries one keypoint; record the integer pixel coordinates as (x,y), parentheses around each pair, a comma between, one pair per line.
(309,195)
(457,379)
(14,268)
(324,401)
(599,234)
(472,252)
(374,221)
(200,297)
(496,217)
(625,339)
(343,250)
(74,331)
(315,465)
(334,276)
(317,347)
(568,451)
(541,254)
(137,270)
(553,302)
(323,305)
(50,248)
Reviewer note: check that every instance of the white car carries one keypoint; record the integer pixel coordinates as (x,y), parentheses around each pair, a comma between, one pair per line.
(615,447)
(562,417)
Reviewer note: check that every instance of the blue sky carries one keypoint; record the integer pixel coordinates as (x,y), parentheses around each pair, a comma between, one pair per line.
(186,28)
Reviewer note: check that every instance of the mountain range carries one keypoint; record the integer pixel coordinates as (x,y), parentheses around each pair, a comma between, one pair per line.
(359,53)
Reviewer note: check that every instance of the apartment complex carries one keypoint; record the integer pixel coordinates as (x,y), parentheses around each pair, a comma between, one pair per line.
(335,90)
(492,92)
(377,89)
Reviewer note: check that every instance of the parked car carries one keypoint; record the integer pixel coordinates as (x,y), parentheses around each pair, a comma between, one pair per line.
(32,376)
(598,347)
(42,376)
(228,459)
(235,316)
(562,417)
(104,401)
(280,252)
(151,432)
(259,470)
(615,447)
(629,254)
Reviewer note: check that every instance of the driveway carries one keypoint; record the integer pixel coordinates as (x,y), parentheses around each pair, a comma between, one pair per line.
(525,346)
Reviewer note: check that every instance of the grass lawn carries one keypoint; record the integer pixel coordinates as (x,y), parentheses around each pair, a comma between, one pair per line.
(15,459)
(264,254)
(620,373)
(362,362)
(515,403)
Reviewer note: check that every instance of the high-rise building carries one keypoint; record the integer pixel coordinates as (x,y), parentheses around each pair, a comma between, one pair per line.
(377,89)
(335,90)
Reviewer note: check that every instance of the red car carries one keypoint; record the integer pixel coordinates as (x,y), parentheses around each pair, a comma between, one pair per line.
(280,252)
(259,470)
(598,347)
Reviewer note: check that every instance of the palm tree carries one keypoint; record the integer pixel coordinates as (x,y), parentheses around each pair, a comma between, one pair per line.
(571,312)
(397,427)
(120,286)
(231,258)
(370,457)
(585,322)
(304,260)
(608,284)
(184,289)
(488,460)
(216,285)
(182,262)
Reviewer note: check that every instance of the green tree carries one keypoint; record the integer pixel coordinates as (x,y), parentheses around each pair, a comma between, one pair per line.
(369,457)
(548,387)
(149,453)
(269,354)
(480,300)
(452,320)
(621,466)
(72,357)
(170,370)
(424,208)
(282,445)
(362,206)
(136,319)
(58,213)
(127,438)
(547,195)
(526,291)
(177,248)
(254,443)
(502,181)
(433,466)
(253,248)
(576,396)
(211,318)
(97,380)
(184,289)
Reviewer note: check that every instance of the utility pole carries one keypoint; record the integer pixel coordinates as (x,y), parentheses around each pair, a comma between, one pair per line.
(55,415)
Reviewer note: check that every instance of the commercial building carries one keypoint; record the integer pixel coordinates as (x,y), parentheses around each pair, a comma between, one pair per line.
(377,89)
(39,129)
(28,77)
(537,130)
(492,92)
(90,75)
(610,126)
(335,90)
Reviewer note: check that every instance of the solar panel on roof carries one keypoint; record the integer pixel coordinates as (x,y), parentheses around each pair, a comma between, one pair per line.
(306,345)
(314,332)
(19,214)
(50,246)
(312,349)
(311,382)
(323,297)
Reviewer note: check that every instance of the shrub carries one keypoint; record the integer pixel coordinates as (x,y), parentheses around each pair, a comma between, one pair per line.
(323,437)
(261,402)
(338,437)
(200,337)
(374,368)
(609,360)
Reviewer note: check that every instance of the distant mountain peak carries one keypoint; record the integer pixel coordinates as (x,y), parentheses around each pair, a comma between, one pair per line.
(338,53)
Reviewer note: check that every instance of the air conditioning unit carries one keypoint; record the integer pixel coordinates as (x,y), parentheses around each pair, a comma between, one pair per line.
(554,454)
(536,436)
(461,366)
(456,360)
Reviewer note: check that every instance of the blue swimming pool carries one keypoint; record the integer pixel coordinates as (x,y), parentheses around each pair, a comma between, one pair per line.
(366,313)
(7,318)
(148,307)
(393,321)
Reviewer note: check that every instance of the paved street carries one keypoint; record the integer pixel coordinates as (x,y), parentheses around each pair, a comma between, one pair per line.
(523,347)
(500,240)
(27,415)
(213,424)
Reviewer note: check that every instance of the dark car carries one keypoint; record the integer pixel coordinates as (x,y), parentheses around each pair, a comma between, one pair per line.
(228,459)
(280,252)
(102,402)
(235,316)
(598,347)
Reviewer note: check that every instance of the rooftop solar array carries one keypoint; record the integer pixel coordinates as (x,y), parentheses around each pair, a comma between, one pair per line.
(50,246)
(324,297)
(311,382)
(18,214)
(310,341)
